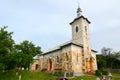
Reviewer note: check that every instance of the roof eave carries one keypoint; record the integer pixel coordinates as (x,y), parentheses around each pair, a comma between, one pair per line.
(94,51)
(79,18)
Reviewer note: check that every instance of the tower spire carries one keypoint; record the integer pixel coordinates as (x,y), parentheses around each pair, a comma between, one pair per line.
(79,11)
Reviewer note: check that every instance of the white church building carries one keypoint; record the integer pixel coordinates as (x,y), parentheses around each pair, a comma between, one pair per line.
(75,56)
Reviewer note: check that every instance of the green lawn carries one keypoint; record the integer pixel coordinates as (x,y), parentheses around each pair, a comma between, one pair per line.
(116,76)
(84,78)
(27,75)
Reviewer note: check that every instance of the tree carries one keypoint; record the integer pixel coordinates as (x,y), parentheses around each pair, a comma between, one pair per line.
(101,62)
(6,45)
(27,47)
(106,51)
(108,59)
(25,52)
(115,60)
(6,41)
(9,62)
(15,55)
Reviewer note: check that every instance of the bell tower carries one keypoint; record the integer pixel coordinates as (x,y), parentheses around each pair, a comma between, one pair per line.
(80,32)
(80,29)
(81,35)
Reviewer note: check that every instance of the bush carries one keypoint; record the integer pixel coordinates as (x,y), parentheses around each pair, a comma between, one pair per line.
(105,72)
(98,73)
(58,74)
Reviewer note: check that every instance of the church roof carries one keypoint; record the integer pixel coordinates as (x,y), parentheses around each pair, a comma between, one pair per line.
(65,44)
(94,50)
(59,47)
(62,45)
(79,18)
(36,57)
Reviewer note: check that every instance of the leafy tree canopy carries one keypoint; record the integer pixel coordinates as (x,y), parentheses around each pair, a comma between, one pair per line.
(27,47)
(6,41)
(108,59)
(6,45)
(15,55)
(25,52)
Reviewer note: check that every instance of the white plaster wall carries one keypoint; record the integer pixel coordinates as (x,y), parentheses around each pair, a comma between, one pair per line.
(77,63)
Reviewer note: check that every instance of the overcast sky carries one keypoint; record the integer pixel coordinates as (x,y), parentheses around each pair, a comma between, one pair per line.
(46,22)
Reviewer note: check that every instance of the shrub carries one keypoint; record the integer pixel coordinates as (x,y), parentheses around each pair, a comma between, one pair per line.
(98,73)
(105,72)
(58,74)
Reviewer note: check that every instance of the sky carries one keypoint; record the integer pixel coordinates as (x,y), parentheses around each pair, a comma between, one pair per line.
(46,22)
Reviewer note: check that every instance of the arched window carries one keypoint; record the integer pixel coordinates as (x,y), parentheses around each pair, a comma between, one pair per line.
(77,57)
(76,28)
(36,66)
(57,59)
(66,57)
(85,28)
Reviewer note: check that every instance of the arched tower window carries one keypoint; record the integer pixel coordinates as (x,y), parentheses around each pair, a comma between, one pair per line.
(76,28)
(85,28)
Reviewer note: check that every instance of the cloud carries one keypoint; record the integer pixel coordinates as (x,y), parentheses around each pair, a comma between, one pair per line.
(46,22)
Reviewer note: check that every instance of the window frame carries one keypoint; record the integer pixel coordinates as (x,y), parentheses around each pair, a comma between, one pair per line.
(76,29)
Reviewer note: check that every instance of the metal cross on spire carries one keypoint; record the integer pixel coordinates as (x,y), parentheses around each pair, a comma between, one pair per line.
(79,11)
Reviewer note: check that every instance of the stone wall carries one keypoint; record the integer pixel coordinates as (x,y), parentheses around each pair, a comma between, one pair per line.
(70,58)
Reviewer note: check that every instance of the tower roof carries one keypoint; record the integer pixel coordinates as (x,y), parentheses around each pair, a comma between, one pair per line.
(79,18)
(79,15)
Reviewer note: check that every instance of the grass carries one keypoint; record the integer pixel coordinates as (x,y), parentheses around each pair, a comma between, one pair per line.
(84,78)
(116,76)
(27,75)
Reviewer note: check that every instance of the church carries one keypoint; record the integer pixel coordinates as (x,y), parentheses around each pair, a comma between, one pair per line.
(75,56)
